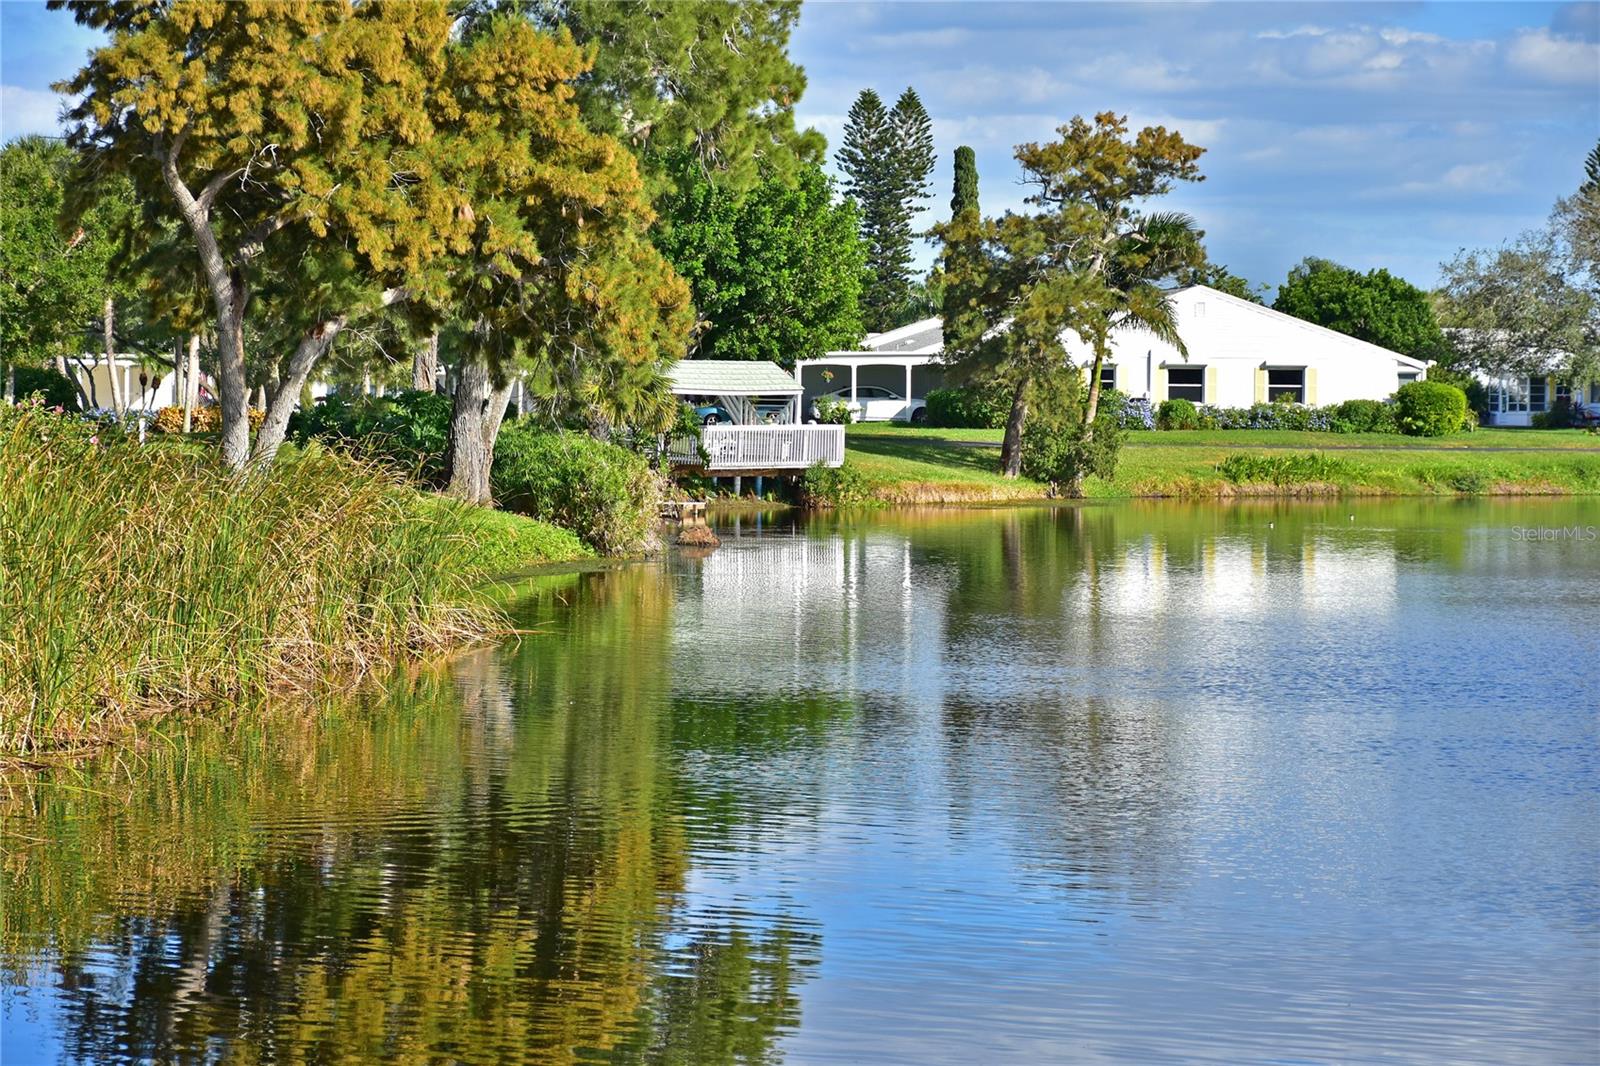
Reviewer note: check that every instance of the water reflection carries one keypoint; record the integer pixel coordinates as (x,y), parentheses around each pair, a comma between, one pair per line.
(1147,782)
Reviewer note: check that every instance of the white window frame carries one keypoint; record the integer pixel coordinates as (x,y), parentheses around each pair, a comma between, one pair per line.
(1199,370)
(1543,403)
(1108,376)
(1300,389)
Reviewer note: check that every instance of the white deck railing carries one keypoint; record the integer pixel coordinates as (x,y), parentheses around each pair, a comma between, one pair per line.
(735,448)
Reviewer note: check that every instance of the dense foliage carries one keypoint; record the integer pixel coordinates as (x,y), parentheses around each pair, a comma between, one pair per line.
(775,273)
(1295,468)
(52,389)
(604,493)
(836,486)
(1365,416)
(969,407)
(1376,307)
(1430,409)
(406,431)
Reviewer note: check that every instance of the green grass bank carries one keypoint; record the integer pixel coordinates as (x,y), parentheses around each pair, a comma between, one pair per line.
(908,465)
(137,581)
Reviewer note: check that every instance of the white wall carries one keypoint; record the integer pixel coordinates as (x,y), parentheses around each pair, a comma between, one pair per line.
(1234,338)
(128,373)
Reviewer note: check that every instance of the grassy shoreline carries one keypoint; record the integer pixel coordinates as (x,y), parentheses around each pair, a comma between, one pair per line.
(918,466)
(141,582)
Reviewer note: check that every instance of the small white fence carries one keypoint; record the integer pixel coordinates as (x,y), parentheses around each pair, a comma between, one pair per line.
(730,449)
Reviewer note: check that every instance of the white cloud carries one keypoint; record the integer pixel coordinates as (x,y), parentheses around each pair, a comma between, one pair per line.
(948,37)
(25,111)
(1541,55)
(1489,176)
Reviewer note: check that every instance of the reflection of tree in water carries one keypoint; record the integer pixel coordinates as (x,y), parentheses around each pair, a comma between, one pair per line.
(488,870)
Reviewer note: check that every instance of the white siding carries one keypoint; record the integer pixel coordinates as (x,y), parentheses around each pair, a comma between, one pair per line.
(1236,338)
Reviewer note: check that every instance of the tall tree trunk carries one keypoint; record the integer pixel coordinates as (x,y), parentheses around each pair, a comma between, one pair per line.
(1011,444)
(1091,408)
(108,328)
(425,365)
(234,389)
(274,427)
(467,459)
(475,418)
(229,294)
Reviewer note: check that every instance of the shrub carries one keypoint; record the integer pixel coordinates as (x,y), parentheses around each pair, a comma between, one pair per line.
(1294,468)
(1365,416)
(1132,412)
(836,486)
(832,410)
(50,386)
(140,578)
(604,493)
(407,431)
(206,419)
(969,407)
(1430,408)
(1563,414)
(1177,414)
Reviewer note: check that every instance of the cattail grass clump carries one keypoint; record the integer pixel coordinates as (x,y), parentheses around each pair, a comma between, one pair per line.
(140,579)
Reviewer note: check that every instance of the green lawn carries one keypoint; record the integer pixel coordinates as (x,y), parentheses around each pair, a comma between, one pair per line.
(911,465)
(1482,439)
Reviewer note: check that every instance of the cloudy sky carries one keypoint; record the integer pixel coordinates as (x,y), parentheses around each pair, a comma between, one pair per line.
(1375,134)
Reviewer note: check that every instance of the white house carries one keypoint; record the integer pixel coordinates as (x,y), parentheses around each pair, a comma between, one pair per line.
(1239,353)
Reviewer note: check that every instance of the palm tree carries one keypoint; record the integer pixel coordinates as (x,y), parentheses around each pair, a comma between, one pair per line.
(1154,248)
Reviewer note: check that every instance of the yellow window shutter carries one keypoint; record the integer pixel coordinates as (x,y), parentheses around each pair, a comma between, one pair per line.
(1211,385)
(1161,385)
(1261,384)
(1311,386)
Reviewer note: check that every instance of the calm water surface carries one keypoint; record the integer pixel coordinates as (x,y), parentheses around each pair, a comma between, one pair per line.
(1133,783)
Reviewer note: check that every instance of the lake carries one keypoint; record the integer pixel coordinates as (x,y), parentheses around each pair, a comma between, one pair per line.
(1267,782)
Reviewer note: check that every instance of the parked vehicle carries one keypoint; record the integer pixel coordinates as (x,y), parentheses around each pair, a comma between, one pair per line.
(873,403)
(1589,413)
(714,414)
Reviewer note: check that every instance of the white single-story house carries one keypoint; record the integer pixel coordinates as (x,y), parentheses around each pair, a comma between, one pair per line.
(1239,353)
(1514,400)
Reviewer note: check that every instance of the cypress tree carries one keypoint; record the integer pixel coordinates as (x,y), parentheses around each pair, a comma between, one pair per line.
(965,197)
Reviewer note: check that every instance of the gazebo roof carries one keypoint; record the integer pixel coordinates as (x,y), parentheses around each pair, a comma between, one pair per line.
(732,377)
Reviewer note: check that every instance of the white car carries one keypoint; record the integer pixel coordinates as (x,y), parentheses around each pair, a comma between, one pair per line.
(876,404)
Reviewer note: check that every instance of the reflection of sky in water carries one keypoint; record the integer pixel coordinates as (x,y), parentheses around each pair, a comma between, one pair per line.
(1111,784)
(1240,796)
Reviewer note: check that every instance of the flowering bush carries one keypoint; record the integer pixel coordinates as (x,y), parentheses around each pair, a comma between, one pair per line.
(1132,412)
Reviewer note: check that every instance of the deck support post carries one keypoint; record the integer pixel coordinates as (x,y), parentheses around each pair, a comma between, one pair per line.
(758,486)
(738,485)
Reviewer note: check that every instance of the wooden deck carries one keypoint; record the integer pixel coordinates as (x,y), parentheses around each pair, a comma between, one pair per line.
(747,449)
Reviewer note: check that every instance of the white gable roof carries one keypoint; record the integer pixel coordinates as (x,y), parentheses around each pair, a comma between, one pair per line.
(732,377)
(1196,323)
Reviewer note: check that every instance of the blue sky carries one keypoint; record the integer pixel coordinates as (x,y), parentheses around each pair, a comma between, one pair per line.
(1375,134)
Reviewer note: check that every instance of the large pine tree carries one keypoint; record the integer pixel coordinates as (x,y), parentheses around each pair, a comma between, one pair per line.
(887,159)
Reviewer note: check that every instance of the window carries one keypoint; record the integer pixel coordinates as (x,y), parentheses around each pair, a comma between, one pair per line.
(1536,394)
(1514,395)
(1186,383)
(1594,392)
(1563,392)
(1407,375)
(1286,382)
(1108,376)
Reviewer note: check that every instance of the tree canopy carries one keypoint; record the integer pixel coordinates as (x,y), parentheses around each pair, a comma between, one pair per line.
(776,274)
(709,80)
(1376,307)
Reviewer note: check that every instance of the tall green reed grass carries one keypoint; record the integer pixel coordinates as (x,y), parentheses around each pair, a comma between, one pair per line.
(138,579)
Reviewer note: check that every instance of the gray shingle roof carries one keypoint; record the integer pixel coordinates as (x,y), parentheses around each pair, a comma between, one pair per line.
(731,377)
